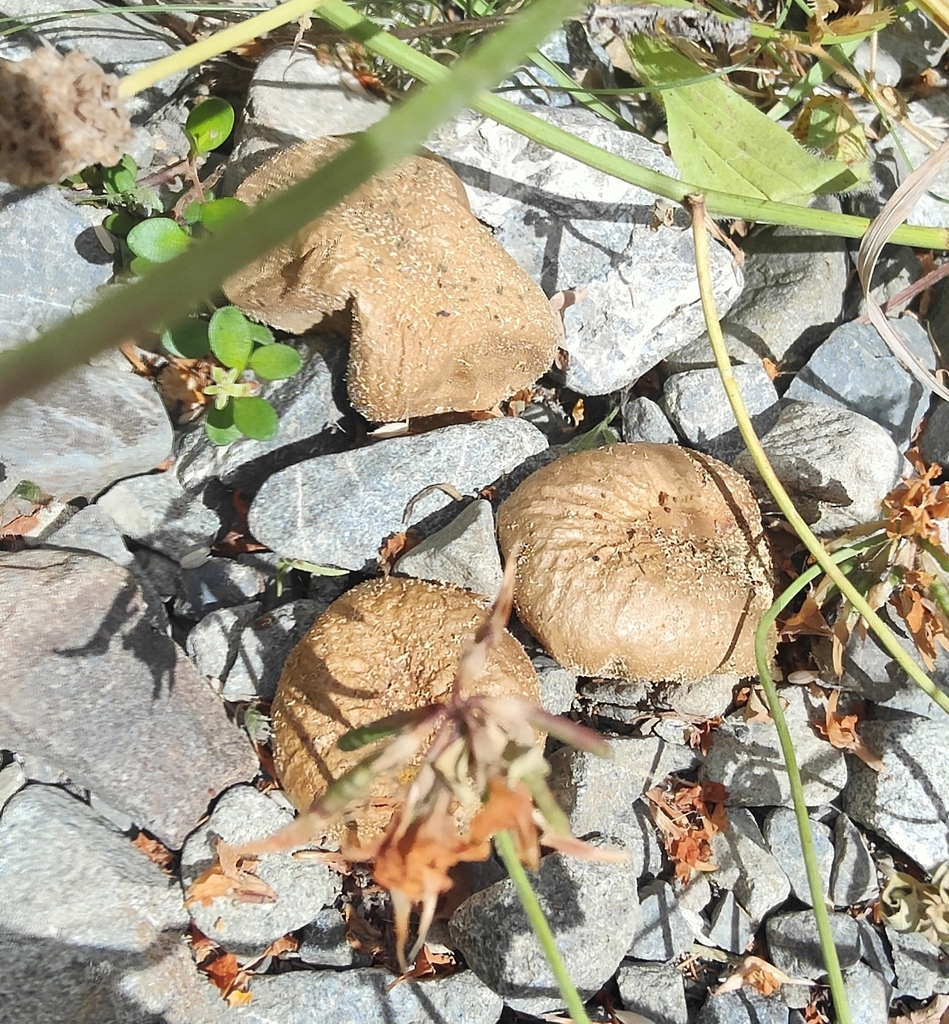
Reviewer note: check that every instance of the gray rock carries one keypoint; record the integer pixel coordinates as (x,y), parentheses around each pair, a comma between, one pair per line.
(213,643)
(51,260)
(338,509)
(303,888)
(86,430)
(656,991)
(119,820)
(921,968)
(94,890)
(795,945)
(868,995)
(695,894)
(873,953)
(731,927)
(573,227)
(853,876)
(934,440)
(784,841)
(464,552)
(616,692)
(663,933)
(855,369)
(644,420)
(92,529)
(80,653)
(836,465)
(214,584)
(323,942)
(914,42)
(883,69)
(746,866)
(708,697)
(558,687)
(309,425)
(654,860)
(698,408)
(156,511)
(743,1007)
(12,780)
(746,757)
(906,801)
(793,295)
(577,896)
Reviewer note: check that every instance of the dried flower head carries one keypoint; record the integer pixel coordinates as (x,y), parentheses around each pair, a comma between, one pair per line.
(58,114)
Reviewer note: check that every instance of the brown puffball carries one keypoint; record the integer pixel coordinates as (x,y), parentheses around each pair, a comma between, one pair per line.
(443,318)
(387,645)
(639,562)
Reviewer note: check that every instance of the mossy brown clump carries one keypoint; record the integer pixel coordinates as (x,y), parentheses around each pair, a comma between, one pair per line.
(641,562)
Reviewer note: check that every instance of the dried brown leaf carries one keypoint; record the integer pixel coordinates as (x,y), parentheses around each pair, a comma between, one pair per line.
(759,975)
(841,732)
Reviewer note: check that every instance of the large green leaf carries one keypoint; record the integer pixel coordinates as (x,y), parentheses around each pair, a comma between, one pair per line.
(720,141)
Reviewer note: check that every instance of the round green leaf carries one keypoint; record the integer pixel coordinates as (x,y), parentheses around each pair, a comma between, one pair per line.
(121,177)
(188,339)
(274,362)
(230,337)
(209,125)
(219,425)
(261,334)
(215,213)
(158,240)
(119,223)
(255,417)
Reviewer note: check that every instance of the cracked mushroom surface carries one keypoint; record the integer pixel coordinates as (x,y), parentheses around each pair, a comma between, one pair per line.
(443,319)
(641,562)
(386,645)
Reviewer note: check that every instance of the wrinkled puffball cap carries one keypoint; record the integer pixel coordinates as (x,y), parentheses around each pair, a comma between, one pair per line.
(640,562)
(387,645)
(444,320)
(58,114)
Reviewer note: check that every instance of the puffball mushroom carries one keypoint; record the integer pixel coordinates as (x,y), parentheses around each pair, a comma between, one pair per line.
(639,562)
(386,645)
(443,319)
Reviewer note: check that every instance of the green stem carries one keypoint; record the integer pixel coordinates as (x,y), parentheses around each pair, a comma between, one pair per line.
(504,844)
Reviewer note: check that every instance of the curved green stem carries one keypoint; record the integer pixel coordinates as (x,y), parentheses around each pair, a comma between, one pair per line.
(535,916)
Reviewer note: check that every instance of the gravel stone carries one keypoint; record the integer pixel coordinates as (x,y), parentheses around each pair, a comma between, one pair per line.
(784,841)
(921,968)
(836,465)
(216,583)
(644,420)
(873,953)
(915,775)
(12,780)
(853,876)
(664,933)
(868,995)
(213,643)
(92,529)
(465,553)
(795,944)
(492,932)
(338,509)
(656,991)
(615,692)
(303,888)
(743,1007)
(698,408)
(323,942)
(80,652)
(708,697)
(934,440)
(558,687)
(731,928)
(746,757)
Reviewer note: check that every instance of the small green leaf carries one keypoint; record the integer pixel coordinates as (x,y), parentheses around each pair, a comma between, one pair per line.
(261,333)
(209,125)
(219,425)
(275,362)
(28,490)
(191,214)
(230,336)
(120,178)
(187,339)
(158,240)
(215,213)
(382,728)
(256,418)
(119,223)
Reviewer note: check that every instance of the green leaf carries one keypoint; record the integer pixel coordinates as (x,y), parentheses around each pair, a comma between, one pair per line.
(215,213)
(720,141)
(187,339)
(275,362)
(158,240)
(120,178)
(256,418)
(261,333)
(219,425)
(382,728)
(829,126)
(119,223)
(230,337)
(209,125)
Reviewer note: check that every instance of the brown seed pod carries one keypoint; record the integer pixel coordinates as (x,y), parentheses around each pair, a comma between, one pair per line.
(641,562)
(443,319)
(387,645)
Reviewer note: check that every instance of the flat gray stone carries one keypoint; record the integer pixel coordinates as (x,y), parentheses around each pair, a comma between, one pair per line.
(67,876)
(92,529)
(795,945)
(656,991)
(12,780)
(577,896)
(731,928)
(697,406)
(80,650)
(97,424)
(873,952)
(708,697)
(746,757)
(303,888)
(571,227)
(853,875)
(743,1007)
(156,511)
(324,944)
(663,933)
(855,369)
(654,860)
(338,509)
(906,802)
(784,841)
(464,553)
(934,440)
(213,643)
(614,692)
(868,995)
(921,968)
(216,583)
(914,42)
(836,465)
(558,687)
(644,420)
(746,866)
